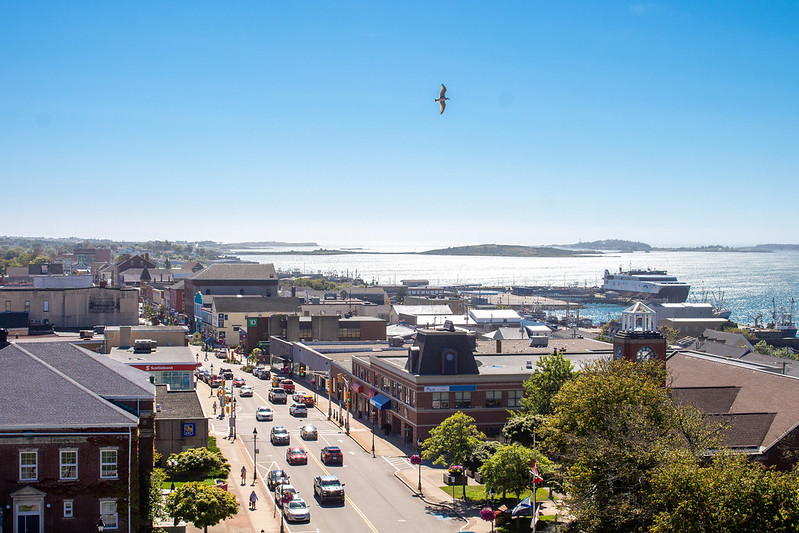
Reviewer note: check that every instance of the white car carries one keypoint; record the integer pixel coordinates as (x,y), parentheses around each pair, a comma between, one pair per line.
(281,490)
(245,391)
(298,409)
(297,511)
(264,414)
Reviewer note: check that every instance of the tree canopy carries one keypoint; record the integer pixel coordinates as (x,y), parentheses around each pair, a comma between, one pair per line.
(452,441)
(199,463)
(202,505)
(551,372)
(508,470)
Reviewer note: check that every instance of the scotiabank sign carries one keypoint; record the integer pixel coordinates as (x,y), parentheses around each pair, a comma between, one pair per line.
(158,368)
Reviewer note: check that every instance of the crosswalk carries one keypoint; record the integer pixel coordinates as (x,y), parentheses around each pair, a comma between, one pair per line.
(399,463)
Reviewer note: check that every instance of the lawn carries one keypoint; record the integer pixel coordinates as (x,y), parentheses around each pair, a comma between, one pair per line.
(477,493)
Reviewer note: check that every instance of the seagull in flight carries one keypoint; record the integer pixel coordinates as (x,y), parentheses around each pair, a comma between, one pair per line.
(442,98)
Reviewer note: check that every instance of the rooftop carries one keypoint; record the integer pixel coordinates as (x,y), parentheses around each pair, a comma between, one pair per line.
(236,271)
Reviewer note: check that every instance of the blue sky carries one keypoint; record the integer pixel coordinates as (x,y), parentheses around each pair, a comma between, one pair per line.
(668,123)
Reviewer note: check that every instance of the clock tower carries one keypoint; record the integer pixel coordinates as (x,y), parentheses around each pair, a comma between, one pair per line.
(638,340)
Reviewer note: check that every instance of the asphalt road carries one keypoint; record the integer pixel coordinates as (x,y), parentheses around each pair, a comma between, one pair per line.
(376,501)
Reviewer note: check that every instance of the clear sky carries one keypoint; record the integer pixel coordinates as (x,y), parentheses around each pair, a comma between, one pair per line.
(668,123)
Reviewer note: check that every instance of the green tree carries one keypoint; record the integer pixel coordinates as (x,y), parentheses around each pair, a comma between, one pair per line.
(670,334)
(551,372)
(520,427)
(508,470)
(199,463)
(452,441)
(252,360)
(155,500)
(731,495)
(202,505)
(612,427)
(481,453)
(604,332)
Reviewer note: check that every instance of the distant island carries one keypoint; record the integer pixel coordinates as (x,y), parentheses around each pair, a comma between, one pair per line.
(267,244)
(507,250)
(615,245)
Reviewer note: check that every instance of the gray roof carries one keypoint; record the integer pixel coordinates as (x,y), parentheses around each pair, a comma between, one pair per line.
(177,403)
(98,373)
(255,304)
(234,271)
(50,398)
(161,355)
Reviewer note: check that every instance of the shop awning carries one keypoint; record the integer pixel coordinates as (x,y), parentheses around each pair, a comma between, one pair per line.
(357,387)
(381,402)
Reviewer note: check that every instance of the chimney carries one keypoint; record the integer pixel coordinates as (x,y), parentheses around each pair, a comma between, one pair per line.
(124,336)
(4,338)
(499,345)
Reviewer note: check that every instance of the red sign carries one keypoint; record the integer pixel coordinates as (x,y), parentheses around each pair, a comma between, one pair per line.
(158,368)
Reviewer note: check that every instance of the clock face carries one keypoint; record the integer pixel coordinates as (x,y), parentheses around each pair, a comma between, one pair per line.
(645,354)
(619,353)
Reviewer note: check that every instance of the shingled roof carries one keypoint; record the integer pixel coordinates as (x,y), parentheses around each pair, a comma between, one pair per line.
(255,304)
(234,271)
(39,396)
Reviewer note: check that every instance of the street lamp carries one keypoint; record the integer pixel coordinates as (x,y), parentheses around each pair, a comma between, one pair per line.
(374,422)
(233,417)
(417,460)
(254,455)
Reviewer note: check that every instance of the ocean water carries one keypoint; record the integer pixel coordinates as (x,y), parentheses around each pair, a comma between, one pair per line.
(745,283)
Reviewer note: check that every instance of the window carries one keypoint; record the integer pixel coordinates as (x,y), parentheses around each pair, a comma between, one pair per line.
(220,320)
(515,398)
(493,398)
(108,512)
(463,400)
(46,306)
(8,305)
(441,400)
(69,464)
(28,465)
(68,507)
(108,463)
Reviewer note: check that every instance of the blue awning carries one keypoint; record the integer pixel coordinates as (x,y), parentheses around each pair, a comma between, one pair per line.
(381,402)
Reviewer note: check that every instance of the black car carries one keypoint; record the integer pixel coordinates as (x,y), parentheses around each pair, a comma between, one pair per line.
(328,488)
(226,373)
(275,478)
(332,455)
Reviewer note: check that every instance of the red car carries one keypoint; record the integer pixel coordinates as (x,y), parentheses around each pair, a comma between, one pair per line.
(238,382)
(216,381)
(332,455)
(296,456)
(287,385)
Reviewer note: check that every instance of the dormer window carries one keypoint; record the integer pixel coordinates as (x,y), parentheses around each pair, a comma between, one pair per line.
(449,361)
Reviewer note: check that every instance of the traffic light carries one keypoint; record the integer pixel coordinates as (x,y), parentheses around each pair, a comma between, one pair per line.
(227,409)
(339,378)
(302,371)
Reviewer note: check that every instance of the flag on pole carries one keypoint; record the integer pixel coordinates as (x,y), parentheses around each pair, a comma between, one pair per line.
(534,474)
(522,506)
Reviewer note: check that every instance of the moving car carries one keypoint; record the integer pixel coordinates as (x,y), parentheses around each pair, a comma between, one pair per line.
(279,435)
(275,478)
(332,455)
(287,385)
(277,396)
(328,488)
(303,398)
(216,381)
(297,511)
(296,456)
(308,432)
(264,414)
(245,391)
(226,373)
(283,489)
(298,409)
(238,382)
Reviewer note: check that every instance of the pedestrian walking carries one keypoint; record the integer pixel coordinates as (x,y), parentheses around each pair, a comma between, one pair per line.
(253,499)
(243,475)
(214,406)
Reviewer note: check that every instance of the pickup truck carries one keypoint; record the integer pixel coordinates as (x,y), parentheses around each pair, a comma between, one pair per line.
(287,385)
(277,396)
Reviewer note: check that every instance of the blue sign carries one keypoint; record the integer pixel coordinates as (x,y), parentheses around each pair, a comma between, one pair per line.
(454,388)
(188,429)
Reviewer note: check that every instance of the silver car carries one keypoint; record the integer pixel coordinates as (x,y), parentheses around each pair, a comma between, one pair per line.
(297,511)
(308,432)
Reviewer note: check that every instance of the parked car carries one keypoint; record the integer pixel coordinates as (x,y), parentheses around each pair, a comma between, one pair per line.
(277,396)
(279,435)
(308,432)
(283,489)
(297,511)
(263,373)
(246,391)
(216,381)
(239,382)
(220,354)
(275,478)
(328,488)
(288,386)
(264,414)
(332,455)
(303,398)
(298,410)
(296,456)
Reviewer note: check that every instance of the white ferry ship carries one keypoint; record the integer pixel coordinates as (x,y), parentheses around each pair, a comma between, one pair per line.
(647,285)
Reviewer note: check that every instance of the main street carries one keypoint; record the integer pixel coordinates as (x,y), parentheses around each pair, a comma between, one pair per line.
(376,500)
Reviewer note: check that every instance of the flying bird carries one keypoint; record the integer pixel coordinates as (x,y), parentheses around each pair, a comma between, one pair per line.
(442,98)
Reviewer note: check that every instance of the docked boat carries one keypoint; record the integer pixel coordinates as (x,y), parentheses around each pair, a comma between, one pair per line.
(647,285)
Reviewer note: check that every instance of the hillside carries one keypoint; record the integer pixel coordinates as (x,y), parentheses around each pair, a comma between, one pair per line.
(616,245)
(506,250)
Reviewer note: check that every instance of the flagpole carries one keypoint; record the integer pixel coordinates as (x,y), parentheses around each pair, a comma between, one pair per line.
(532,475)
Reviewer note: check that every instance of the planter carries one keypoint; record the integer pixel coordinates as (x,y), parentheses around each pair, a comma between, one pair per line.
(454,480)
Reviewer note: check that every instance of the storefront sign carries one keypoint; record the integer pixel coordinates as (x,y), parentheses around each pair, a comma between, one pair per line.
(450,388)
